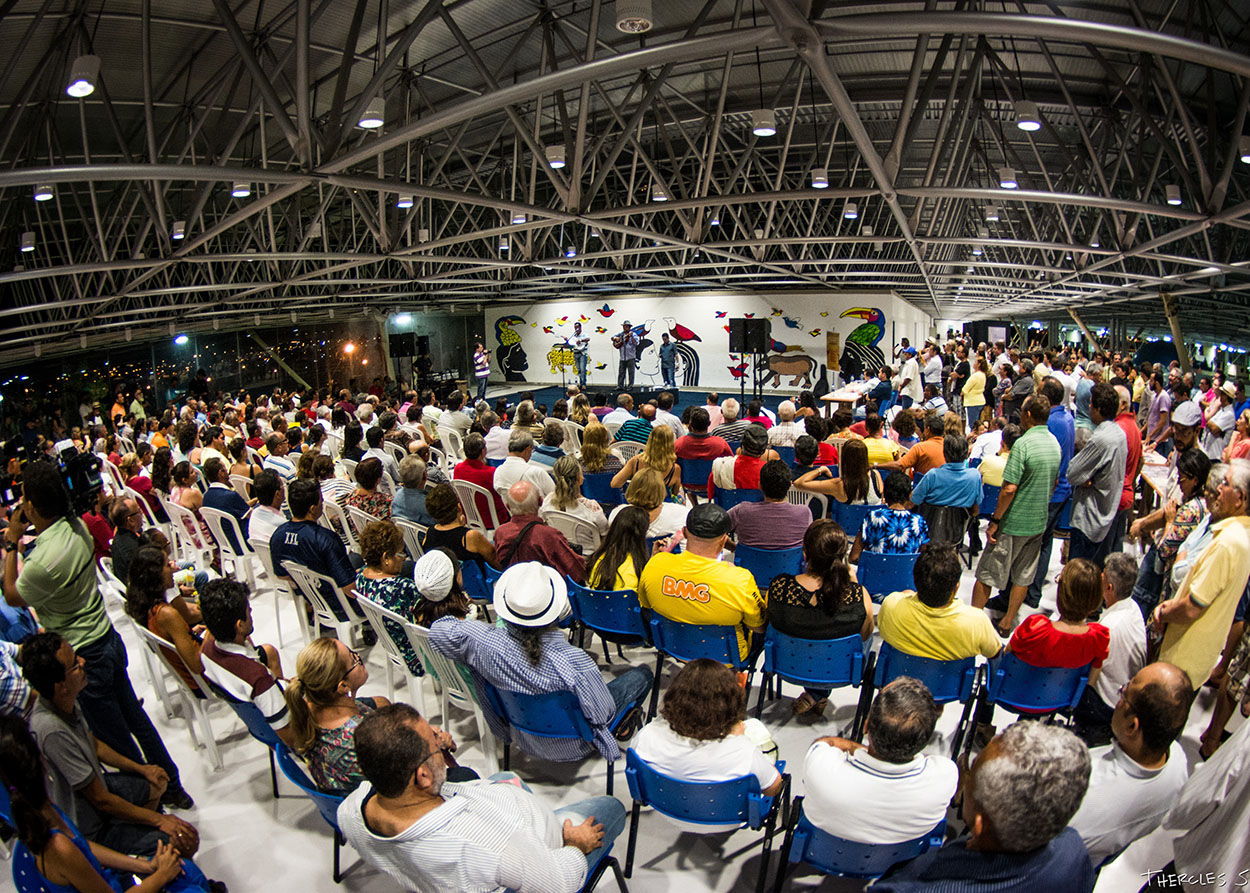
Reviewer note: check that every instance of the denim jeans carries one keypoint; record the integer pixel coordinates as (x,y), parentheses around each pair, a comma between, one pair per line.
(128,837)
(625,371)
(114,713)
(1081,546)
(481,387)
(905,402)
(580,361)
(669,375)
(630,688)
(1034,595)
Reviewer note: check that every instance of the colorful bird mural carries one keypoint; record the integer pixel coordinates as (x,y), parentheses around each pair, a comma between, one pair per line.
(777,311)
(583,318)
(599,366)
(721,314)
(739,370)
(749,315)
(600,330)
(861,352)
(777,347)
(824,313)
(814,333)
(792,323)
(678,332)
(562,320)
(547,330)
(605,311)
(510,355)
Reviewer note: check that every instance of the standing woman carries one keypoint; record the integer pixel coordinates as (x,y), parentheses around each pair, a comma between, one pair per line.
(973,391)
(481,369)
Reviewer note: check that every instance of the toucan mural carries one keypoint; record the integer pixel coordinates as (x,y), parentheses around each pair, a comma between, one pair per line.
(861,353)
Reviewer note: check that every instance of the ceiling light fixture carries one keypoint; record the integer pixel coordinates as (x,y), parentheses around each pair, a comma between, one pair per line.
(1027,117)
(555,156)
(715,221)
(82,340)
(850,211)
(28,241)
(1173,193)
(633,16)
(179,230)
(1007,178)
(820,178)
(241,189)
(763,122)
(570,251)
(181,340)
(866,229)
(991,213)
(1245,148)
(518,217)
(504,244)
(976,250)
(82,76)
(43,193)
(374,115)
(404,201)
(657,193)
(1094,243)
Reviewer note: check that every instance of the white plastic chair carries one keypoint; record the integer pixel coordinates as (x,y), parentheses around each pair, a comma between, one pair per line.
(377,613)
(219,523)
(242,485)
(627,449)
(577,531)
(149,516)
(254,456)
(613,427)
(360,519)
(397,452)
(573,433)
(195,710)
(414,536)
(440,458)
(349,466)
(453,443)
(187,536)
(280,587)
(801,497)
(469,493)
(309,583)
(333,517)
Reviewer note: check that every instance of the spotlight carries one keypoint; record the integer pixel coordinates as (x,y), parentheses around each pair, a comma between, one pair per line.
(1007,178)
(633,16)
(43,193)
(179,230)
(28,242)
(1094,243)
(976,250)
(82,76)
(991,213)
(555,156)
(850,211)
(504,244)
(1173,193)
(763,122)
(1027,117)
(403,319)
(241,189)
(1245,149)
(518,217)
(570,251)
(405,201)
(374,115)
(715,221)
(820,178)
(181,340)
(657,193)
(866,229)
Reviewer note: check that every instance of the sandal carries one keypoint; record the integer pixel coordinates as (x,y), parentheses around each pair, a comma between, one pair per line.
(629,725)
(804,703)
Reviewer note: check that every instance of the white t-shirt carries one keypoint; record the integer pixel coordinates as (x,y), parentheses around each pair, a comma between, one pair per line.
(586,509)
(690,760)
(1127,649)
(866,800)
(671,519)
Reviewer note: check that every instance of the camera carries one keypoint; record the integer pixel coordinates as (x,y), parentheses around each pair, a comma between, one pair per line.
(80,473)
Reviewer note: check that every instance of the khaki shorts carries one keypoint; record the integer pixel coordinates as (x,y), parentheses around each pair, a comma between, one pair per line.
(1012,559)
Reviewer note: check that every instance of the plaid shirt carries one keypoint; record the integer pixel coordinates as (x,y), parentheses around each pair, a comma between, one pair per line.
(15,697)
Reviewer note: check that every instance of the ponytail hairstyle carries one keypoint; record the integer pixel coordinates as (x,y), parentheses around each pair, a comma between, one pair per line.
(530,638)
(319,672)
(824,547)
(22,774)
(145,587)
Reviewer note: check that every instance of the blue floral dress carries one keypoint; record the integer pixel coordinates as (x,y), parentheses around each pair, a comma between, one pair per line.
(401,596)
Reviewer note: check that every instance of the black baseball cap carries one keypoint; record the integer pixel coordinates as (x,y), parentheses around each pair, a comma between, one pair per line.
(707,520)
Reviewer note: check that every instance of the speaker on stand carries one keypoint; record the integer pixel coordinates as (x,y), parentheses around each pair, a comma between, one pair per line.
(751,336)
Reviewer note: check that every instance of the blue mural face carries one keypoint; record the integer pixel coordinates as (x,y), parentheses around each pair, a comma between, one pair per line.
(510,355)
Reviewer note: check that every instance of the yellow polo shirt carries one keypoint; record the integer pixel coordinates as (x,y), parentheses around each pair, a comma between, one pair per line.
(881,449)
(1215,582)
(953,632)
(693,589)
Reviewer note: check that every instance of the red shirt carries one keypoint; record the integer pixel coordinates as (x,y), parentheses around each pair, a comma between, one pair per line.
(826,454)
(760,420)
(702,446)
(860,428)
(747,472)
(1037,642)
(475,471)
(1128,424)
(101,533)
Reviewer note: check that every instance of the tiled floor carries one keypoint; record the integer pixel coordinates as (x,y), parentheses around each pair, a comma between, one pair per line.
(253,842)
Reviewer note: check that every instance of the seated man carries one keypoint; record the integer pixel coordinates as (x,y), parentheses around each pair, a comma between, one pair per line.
(220,495)
(1018,799)
(118,809)
(17,698)
(695,586)
(638,429)
(931,622)
(475,471)
(889,791)
(409,500)
(244,671)
(374,437)
(1135,780)
(785,432)
(267,513)
(527,537)
(993,466)
(530,655)
(933,399)
(926,455)
(880,448)
(742,471)
(551,449)
(518,467)
(304,541)
(406,819)
(127,518)
(277,447)
(495,436)
(731,426)
(454,418)
(773,523)
(952,483)
(698,444)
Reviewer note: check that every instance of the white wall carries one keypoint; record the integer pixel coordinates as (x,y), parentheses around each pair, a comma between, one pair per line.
(800,321)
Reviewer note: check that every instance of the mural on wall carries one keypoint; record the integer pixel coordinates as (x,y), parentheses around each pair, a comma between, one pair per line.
(510,354)
(796,353)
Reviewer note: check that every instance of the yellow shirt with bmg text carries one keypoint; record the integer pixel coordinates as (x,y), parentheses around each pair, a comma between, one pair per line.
(692,589)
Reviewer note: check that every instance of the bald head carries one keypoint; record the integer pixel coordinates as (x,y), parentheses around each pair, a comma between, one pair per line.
(1126,399)
(647,412)
(1152,710)
(522,498)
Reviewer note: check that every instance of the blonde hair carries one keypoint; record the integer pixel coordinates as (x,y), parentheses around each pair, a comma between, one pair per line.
(594,445)
(660,452)
(566,472)
(646,490)
(129,463)
(319,672)
(952,423)
(579,411)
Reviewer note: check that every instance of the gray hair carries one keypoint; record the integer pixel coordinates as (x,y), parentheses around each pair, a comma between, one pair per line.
(489,419)
(412,472)
(364,412)
(1238,476)
(1093,369)
(1120,569)
(525,413)
(730,409)
(785,411)
(1032,785)
(1126,399)
(553,433)
(519,440)
(902,719)
(522,498)
(323,412)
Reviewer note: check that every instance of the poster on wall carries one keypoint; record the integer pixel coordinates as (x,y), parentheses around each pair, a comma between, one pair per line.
(841,331)
(997,333)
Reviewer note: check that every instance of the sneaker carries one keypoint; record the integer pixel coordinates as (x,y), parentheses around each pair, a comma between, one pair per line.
(177,799)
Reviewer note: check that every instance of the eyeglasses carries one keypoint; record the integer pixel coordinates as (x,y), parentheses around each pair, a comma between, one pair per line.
(356,662)
(1125,698)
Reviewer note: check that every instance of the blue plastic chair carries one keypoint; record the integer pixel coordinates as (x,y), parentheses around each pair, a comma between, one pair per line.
(947,681)
(495,463)
(614,615)
(605,861)
(883,574)
(556,714)
(475,585)
(598,486)
(764,564)
(786,453)
(691,641)
(989,500)
(492,577)
(327,804)
(256,725)
(850,517)
(727,499)
(806,843)
(694,475)
(737,801)
(1024,688)
(814,663)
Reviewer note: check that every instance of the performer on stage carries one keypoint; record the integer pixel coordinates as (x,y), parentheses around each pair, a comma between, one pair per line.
(668,362)
(481,369)
(581,353)
(627,344)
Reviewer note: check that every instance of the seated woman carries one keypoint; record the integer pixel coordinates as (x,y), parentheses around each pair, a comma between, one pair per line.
(135,477)
(239,463)
(381,581)
(903,430)
(451,530)
(185,493)
(151,579)
(702,734)
(742,470)
(305,465)
(647,492)
(660,453)
(367,497)
(567,496)
(892,529)
(579,412)
(596,457)
(617,563)
(325,712)
(823,602)
(441,587)
(66,860)
(840,425)
(856,483)
(353,434)
(1070,641)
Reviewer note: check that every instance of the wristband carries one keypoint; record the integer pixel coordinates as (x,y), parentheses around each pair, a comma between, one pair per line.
(994,520)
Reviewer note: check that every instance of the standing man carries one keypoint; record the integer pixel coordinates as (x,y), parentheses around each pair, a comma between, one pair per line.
(481,369)
(1158,418)
(1060,424)
(668,361)
(581,353)
(1097,478)
(909,386)
(1132,466)
(627,344)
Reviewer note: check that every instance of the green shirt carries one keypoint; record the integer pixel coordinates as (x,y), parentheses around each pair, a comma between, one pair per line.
(58,580)
(1032,466)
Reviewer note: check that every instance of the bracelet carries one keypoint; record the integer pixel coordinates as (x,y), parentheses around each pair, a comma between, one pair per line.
(994,520)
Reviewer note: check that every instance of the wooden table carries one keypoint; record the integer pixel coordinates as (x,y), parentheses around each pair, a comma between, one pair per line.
(844,397)
(1156,476)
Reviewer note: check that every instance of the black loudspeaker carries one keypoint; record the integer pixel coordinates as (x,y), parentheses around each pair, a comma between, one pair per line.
(423,344)
(749,335)
(403,344)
